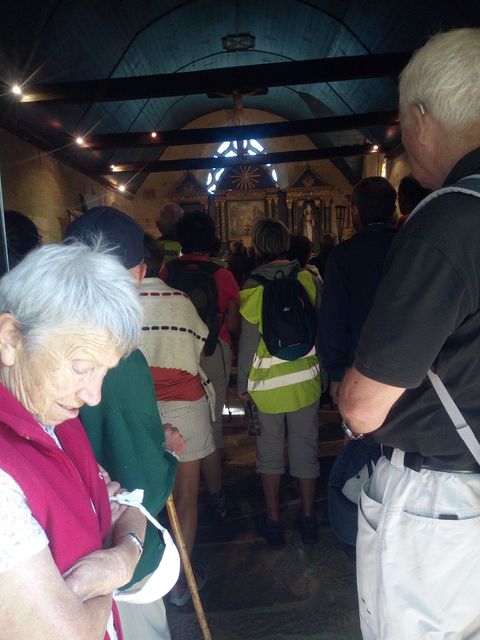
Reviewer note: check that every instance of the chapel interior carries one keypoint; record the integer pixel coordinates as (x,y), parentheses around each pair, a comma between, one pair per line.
(242,109)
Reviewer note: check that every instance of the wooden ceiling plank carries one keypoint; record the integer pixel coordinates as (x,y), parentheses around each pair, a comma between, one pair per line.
(279,157)
(245,132)
(245,79)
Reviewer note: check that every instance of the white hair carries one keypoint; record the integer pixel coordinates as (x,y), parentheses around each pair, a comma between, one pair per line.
(72,287)
(444,77)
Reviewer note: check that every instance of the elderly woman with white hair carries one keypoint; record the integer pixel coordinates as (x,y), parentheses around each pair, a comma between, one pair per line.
(67,315)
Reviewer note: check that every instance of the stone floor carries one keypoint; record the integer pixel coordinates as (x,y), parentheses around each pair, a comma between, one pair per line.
(253,592)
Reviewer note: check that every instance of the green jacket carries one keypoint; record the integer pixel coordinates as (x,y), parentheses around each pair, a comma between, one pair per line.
(127,437)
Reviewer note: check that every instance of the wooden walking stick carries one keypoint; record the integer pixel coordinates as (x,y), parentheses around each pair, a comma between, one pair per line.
(177,532)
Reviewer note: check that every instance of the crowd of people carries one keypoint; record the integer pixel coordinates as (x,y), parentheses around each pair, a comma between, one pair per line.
(115,358)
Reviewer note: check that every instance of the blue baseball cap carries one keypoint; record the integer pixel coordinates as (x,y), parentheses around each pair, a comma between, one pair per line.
(118,230)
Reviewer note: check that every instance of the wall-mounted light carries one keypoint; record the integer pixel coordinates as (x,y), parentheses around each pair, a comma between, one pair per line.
(113,167)
(17,90)
(375,147)
(121,187)
(153,134)
(79,140)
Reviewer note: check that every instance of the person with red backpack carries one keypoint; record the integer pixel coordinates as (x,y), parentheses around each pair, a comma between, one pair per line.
(278,371)
(215,294)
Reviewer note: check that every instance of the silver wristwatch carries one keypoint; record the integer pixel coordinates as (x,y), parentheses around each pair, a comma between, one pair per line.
(349,433)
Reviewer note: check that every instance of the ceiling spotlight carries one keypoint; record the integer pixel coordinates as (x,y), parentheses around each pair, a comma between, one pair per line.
(79,140)
(375,147)
(113,167)
(153,134)
(16,89)
(122,187)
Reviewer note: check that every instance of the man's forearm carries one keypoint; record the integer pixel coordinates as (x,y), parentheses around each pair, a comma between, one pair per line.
(365,403)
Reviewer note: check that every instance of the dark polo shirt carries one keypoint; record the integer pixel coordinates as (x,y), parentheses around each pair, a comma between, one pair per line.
(427,314)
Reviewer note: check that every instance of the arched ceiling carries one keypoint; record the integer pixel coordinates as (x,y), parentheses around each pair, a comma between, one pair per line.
(60,43)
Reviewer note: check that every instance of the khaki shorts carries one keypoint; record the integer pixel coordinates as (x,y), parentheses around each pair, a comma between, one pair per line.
(192,419)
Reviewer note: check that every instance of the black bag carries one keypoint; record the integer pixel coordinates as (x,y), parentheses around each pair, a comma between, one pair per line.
(196,279)
(351,469)
(289,321)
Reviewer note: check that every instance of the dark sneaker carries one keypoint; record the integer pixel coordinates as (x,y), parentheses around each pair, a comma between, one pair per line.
(217,506)
(308,528)
(180,594)
(272,531)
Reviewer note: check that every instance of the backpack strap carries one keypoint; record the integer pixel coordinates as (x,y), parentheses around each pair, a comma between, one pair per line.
(470,185)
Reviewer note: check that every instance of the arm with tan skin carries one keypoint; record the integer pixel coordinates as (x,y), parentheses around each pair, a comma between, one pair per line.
(233,316)
(36,603)
(103,571)
(365,403)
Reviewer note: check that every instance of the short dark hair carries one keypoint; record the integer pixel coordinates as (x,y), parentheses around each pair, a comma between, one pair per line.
(196,232)
(154,255)
(22,236)
(270,238)
(410,193)
(375,200)
(300,249)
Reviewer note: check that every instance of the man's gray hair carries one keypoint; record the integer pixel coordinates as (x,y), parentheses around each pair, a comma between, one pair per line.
(444,77)
(72,287)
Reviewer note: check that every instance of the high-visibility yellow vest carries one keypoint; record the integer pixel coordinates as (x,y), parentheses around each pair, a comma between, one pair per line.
(276,385)
(172,249)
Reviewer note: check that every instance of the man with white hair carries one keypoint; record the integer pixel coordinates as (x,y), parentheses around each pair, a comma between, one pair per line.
(419,517)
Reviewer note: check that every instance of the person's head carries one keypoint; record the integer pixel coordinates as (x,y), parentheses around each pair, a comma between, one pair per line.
(300,249)
(237,248)
(196,232)
(373,200)
(68,313)
(328,241)
(116,229)
(22,236)
(168,216)
(440,104)
(410,193)
(154,255)
(270,239)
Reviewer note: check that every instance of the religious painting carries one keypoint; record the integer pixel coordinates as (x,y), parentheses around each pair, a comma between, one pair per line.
(308,220)
(241,216)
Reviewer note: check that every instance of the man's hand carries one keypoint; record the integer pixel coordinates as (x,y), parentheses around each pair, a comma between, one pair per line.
(174,442)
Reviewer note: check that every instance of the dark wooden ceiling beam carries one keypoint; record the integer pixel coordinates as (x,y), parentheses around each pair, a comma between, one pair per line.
(244,79)
(280,157)
(244,132)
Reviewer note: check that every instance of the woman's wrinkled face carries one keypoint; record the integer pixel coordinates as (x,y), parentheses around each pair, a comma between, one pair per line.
(53,381)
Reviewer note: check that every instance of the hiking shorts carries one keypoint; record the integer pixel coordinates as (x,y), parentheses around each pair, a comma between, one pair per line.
(192,419)
(302,436)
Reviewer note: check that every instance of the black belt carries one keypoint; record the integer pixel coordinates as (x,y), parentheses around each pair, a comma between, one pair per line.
(416,462)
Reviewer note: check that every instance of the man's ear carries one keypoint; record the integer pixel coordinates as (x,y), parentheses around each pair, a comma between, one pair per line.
(10,340)
(422,123)
(356,220)
(138,272)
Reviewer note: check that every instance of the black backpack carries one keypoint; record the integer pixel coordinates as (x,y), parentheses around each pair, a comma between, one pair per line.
(288,317)
(196,279)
